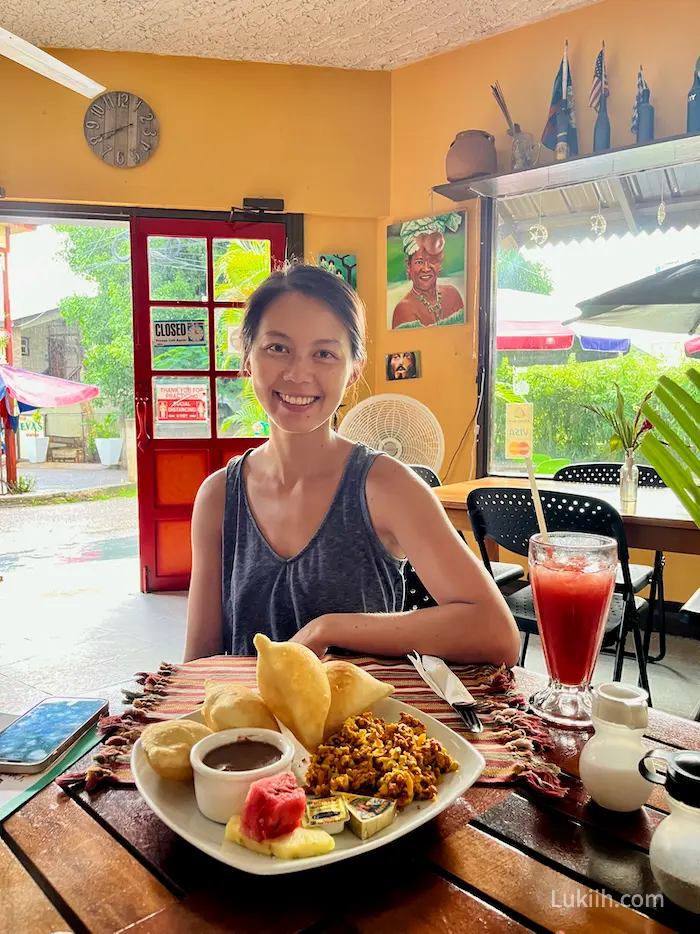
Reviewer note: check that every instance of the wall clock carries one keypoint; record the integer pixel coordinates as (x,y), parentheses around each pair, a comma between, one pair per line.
(121,129)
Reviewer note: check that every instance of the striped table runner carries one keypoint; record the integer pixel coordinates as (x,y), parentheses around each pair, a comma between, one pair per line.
(511,741)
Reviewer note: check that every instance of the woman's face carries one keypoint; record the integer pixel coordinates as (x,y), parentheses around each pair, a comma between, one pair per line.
(424,269)
(301,363)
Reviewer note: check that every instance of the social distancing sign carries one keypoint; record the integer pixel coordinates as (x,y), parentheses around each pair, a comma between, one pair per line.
(518,430)
(181,403)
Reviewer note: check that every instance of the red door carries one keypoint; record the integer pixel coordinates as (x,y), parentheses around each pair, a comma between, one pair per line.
(194,410)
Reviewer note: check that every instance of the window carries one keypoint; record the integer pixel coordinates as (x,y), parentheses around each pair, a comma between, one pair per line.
(537,358)
(25,346)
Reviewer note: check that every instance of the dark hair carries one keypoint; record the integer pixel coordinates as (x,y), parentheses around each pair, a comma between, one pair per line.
(316,283)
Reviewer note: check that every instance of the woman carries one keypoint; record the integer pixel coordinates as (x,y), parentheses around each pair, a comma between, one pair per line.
(428,303)
(303,538)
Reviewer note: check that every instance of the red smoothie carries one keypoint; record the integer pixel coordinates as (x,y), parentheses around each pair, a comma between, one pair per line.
(572,607)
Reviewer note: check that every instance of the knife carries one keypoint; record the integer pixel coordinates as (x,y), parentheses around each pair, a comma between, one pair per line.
(453,691)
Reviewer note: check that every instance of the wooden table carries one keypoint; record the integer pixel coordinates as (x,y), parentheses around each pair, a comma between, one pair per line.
(498,860)
(659,523)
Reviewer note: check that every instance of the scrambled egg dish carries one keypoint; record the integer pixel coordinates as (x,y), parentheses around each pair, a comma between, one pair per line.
(368,756)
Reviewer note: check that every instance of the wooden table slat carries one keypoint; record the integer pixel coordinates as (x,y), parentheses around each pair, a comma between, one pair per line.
(607,862)
(99,880)
(534,890)
(636,827)
(23,905)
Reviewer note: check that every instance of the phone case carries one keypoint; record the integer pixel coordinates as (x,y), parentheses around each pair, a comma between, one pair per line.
(30,768)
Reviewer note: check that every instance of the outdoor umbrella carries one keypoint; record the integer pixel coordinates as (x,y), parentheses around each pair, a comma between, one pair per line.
(529,328)
(35,390)
(668,301)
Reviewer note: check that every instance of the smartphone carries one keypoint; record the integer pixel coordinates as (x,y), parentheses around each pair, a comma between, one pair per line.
(32,742)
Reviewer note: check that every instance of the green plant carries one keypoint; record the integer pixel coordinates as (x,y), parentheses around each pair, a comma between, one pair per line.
(108,427)
(516,271)
(248,419)
(627,433)
(23,484)
(680,473)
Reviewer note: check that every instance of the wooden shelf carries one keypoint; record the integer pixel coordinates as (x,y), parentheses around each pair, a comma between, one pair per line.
(628,160)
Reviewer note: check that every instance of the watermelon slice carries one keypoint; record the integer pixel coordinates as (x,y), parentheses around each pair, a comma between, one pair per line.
(274,807)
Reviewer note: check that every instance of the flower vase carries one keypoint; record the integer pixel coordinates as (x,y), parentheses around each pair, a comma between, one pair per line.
(629,482)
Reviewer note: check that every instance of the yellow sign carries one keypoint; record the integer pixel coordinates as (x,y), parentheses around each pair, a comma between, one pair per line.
(518,430)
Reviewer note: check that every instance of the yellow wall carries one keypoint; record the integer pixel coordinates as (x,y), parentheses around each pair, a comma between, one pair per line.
(317,137)
(434,99)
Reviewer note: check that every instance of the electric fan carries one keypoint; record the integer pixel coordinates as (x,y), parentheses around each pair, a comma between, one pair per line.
(397,425)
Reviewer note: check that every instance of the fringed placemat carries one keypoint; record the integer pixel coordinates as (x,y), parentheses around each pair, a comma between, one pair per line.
(510,742)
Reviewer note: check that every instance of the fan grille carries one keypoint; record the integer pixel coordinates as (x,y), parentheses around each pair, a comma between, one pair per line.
(397,425)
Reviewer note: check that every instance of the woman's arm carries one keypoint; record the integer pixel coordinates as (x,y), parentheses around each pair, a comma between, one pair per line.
(472,622)
(204,614)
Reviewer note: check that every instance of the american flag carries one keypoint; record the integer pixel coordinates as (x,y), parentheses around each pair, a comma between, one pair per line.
(600,82)
(641,87)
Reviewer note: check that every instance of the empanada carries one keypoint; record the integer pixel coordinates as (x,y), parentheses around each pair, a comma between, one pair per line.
(167,746)
(353,690)
(294,685)
(229,706)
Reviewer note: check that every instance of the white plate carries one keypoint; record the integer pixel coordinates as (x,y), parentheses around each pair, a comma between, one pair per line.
(174,803)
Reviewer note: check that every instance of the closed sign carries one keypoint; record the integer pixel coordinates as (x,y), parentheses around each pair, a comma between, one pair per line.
(179,333)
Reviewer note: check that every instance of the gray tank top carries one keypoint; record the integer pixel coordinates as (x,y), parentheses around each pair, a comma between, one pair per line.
(344,568)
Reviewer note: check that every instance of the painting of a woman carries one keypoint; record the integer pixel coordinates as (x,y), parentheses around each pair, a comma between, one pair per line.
(434,265)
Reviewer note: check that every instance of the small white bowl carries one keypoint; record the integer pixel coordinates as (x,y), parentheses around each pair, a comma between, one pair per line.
(221,794)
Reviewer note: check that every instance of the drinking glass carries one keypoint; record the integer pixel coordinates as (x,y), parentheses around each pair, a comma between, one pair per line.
(573,580)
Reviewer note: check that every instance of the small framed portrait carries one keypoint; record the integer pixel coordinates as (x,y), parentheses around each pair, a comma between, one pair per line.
(403,365)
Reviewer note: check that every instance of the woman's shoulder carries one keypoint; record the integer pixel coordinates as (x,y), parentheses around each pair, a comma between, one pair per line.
(212,492)
(390,479)
(452,294)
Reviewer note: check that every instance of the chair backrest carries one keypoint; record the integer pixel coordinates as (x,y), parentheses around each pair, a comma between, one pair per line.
(507,517)
(609,474)
(425,473)
(416,596)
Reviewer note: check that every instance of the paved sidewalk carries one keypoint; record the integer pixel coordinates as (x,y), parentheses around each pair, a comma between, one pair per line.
(63,478)
(41,537)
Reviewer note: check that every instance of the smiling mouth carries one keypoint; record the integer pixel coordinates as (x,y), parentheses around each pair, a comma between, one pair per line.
(300,402)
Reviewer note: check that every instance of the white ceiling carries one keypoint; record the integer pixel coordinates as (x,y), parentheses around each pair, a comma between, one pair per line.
(371,34)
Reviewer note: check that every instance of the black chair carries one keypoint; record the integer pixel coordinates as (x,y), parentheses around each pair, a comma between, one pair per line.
(501,572)
(507,517)
(642,574)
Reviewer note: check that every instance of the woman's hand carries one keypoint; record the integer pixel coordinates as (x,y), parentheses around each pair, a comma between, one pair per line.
(314,635)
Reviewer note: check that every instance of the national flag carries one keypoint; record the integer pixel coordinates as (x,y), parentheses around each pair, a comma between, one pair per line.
(600,82)
(561,102)
(641,87)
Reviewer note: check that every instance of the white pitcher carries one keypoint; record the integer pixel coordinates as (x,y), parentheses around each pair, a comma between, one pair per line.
(609,763)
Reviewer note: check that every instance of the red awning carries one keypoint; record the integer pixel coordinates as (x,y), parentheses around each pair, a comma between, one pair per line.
(40,391)
(533,335)
(692,347)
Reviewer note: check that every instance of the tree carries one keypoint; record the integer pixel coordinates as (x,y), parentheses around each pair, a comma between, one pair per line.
(563,426)
(516,271)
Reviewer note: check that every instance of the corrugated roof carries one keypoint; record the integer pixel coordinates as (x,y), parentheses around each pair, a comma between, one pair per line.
(629,204)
